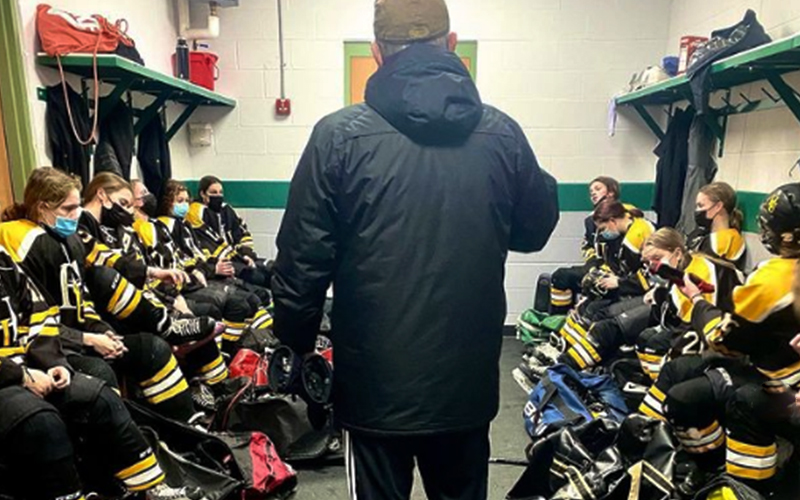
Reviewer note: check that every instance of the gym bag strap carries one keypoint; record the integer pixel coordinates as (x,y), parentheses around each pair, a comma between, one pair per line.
(181,471)
(61,33)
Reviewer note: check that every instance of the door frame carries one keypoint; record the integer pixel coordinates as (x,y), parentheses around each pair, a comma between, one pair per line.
(16,113)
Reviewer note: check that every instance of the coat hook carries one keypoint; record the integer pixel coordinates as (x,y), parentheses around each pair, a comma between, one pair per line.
(772,97)
(795,166)
(748,101)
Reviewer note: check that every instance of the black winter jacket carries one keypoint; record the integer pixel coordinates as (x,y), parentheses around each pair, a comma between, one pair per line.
(409,205)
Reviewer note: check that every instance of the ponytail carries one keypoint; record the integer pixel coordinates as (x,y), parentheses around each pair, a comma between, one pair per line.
(15,212)
(737,219)
(636,213)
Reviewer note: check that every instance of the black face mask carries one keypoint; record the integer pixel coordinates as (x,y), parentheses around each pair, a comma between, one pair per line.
(149,205)
(116,216)
(702,220)
(215,203)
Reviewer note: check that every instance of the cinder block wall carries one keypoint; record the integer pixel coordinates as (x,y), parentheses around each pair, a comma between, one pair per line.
(552,64)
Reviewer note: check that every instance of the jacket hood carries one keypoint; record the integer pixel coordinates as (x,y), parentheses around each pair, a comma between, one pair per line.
(427,94)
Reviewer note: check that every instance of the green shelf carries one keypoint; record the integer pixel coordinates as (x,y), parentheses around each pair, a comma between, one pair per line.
(767,62)
(776,58)
(126,76)
(116,69)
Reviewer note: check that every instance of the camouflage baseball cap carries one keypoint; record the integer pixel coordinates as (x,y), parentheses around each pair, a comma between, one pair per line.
(407,21)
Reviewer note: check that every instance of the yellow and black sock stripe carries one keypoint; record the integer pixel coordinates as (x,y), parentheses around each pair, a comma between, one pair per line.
(781,380)
(651,364)
(698,441)
(166,384)
(142,475)
(560,298)
(653,403)
(214,372)
(749,461)
(581,350)
(262,320)
(125,299)
(233,330)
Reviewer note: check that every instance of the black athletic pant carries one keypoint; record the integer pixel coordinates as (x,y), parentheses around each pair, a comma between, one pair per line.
(112,449)
(453,466)
(37,460)
(604,338)
(564,287)
(129,311)
(150,365)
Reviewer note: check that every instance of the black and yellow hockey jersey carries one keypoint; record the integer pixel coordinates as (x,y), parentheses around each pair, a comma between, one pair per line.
(165,251)
(235,230)
(130,261)
(722,275)
(626,262)
(56,266)
(29,326)
(727,244)
(760,323)
(594,249)
(207,227)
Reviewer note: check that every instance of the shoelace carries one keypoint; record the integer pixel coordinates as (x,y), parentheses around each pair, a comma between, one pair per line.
(186,327)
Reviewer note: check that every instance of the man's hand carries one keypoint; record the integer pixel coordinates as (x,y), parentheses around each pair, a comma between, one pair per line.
(225,268)
(38,382)
(60,376)
(609,282)
(107,345)
(250,262)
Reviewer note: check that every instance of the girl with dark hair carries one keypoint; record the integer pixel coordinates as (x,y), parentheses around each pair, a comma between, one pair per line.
(223,234)
(625,231)
(566,281)
(719,224)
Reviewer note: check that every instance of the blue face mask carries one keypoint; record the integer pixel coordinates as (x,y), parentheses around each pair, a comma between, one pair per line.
(65,227)
(180,210)
(608,234)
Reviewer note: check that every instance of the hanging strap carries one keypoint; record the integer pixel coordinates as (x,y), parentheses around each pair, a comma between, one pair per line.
(96,106)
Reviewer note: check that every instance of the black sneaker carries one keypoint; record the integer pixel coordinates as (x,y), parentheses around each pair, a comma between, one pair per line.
(190,330)
(165,492)
(694,480)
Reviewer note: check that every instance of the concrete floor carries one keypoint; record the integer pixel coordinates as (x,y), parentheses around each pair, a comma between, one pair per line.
(508,441)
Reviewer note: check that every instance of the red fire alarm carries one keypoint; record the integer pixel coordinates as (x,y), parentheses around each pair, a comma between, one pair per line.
(283,107)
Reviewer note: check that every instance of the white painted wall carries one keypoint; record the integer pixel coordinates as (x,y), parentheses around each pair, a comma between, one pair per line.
(760,146)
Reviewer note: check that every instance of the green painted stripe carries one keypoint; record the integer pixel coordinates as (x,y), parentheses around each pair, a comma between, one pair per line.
(252,194)
(572,197)
(14,91)
(749,203)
